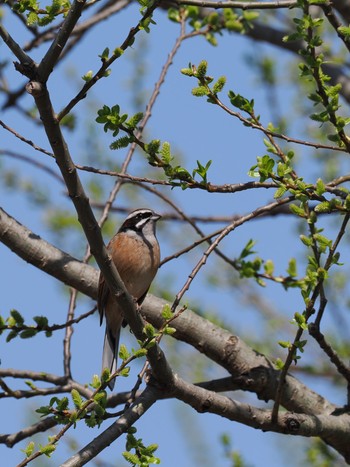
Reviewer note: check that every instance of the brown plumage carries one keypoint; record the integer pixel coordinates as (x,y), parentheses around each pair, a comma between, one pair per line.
(135,253)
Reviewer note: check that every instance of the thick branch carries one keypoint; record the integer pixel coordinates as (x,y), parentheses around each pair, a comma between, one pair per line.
(38,252)
(250,370)
(91,227)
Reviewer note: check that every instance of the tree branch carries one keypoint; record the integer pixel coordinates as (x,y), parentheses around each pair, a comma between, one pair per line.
(41,254)
(144,402)
(240,5)
(52,55)
(15,48)
(250,370)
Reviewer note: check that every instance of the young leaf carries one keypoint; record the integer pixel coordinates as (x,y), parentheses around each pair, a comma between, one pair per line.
(77,400)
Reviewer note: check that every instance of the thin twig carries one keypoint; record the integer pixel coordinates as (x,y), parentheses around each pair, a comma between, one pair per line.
(52,328)
(224,232)
(35,163)
(25,140)
(241,5)
(259,127)
(68,335)
(308,312)
(107,63)
(342,369)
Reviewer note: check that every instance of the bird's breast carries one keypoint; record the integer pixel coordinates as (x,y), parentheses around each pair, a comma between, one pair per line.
(137,261)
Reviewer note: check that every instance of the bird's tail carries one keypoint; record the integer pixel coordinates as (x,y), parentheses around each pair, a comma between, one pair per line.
(110,354)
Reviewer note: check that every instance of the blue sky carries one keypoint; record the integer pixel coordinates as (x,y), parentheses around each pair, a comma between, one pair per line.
(195,131)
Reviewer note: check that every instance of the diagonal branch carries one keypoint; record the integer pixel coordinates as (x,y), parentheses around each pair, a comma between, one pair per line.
(15,48)
(91,227)
(143,403)
(250,370)
(107,63)
(48,62)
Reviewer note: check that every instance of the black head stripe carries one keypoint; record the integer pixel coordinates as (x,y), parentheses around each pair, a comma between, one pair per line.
(137,220)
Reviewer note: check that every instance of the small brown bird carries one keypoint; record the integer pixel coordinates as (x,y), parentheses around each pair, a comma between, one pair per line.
(135,252)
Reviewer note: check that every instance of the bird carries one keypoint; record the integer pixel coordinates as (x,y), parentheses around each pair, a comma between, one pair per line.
(135,251)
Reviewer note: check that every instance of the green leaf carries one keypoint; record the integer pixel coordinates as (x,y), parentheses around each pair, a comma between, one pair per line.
(174,15)
(11,335)
(48,449)
(166,312)
(292,267)
(134,120)
(202,170)
(149,330)
(322,240)
(234,25)
(325,206)
(123,352)
(139,353)
(279,364)
(250,15)
(118,52)
(76,397)
(299,211)
(62,404)
(202,69)
(105,375)
(41,321)
(88,76)
(32,18)
(320,187)
(219,85)
(29,449)
(121,143)
(280,192)
(131,458)
(96,382)
(247,250)
(300,320)
(306,240)
(105,54)
(241,102)
(18,318)
(2,324)
(269,267)
(101,398)
(187,71)
(28,333)
(125,372)
(166,153)
(345,31)
(284,344)
(200,91)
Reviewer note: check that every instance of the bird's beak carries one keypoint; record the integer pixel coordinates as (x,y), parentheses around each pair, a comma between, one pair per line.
(156,217)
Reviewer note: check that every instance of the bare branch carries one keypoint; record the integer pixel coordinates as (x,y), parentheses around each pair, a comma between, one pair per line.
(16,49)
(11,439)
(240,5)
(49,60)
(224,232)
(59,264)
(68,335)
(25,140)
